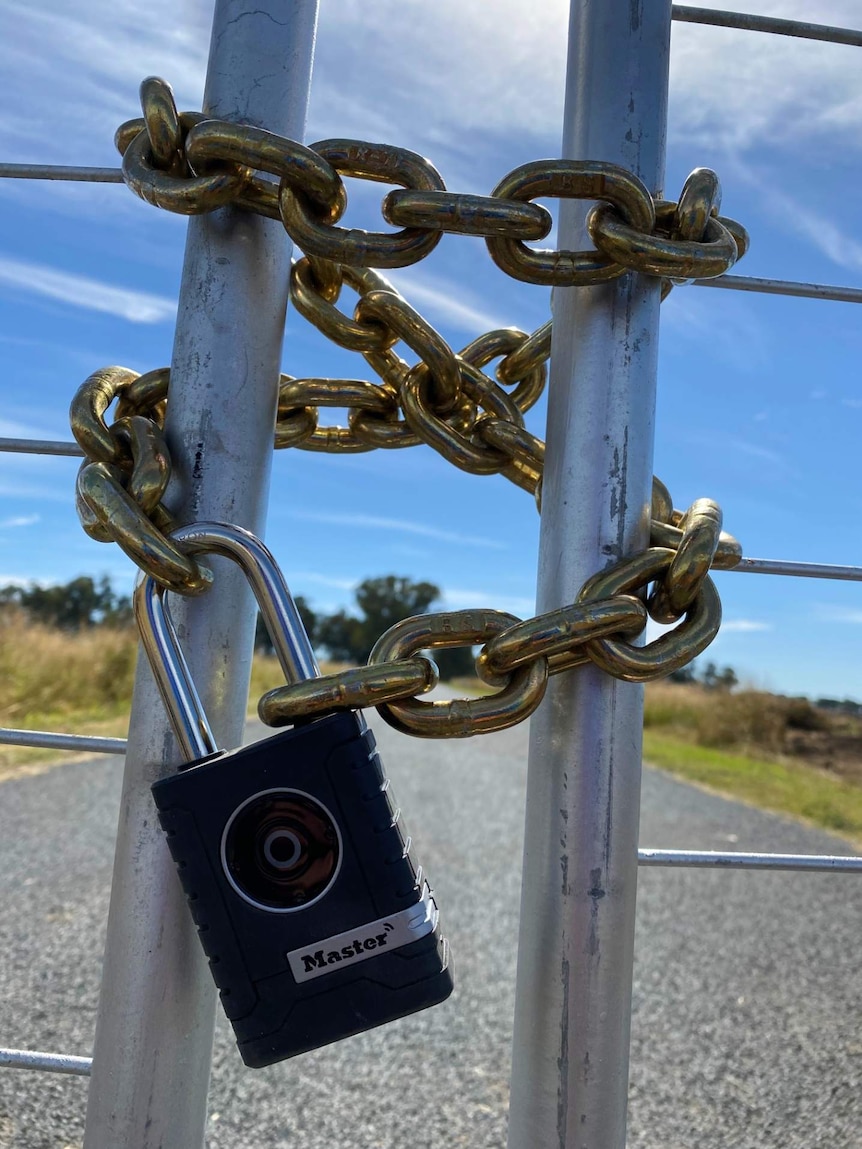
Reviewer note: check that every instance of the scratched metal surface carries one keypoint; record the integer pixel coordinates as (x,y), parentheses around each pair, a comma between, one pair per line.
(748,989)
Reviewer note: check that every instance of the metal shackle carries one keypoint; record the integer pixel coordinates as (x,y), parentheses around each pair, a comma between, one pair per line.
(165,654)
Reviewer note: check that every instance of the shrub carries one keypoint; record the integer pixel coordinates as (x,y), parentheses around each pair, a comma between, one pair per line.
(801,715)
(747,720)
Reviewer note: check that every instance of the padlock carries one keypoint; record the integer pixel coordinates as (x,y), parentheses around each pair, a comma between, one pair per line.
(315,916)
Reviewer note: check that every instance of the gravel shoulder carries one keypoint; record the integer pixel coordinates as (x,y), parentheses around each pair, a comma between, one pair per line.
(747,995)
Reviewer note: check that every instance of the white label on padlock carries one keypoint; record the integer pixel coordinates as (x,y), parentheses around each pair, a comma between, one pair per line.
(366,941)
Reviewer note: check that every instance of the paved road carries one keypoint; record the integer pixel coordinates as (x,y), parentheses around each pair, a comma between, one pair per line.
(748,992)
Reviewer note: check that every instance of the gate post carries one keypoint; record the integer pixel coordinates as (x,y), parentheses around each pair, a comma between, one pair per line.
(573,992)
(154,1029)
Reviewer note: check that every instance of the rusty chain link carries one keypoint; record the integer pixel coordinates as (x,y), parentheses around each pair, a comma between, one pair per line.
(186,163)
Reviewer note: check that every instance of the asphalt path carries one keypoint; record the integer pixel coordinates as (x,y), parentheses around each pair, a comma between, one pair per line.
(747,1028)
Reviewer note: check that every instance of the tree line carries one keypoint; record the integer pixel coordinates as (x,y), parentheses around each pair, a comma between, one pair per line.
(348,637)
(81,603)
(710,677)
(344,636)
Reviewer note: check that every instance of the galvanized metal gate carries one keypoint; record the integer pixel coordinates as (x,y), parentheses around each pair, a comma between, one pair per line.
(570,1061)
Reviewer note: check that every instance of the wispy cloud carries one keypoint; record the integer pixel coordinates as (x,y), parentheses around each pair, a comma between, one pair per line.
(50,492)
(37,426)
(655,630)
(737,451)
(820,230)
(38,477)
(478,77)
(403,525)
(744,626)
(779,90)
(324,580)
(757,451)
(825,612)
(19,521)
(445,302)
(91,294)
(74,72)
(776,90)
(11,429)
(734,330)
(459,598)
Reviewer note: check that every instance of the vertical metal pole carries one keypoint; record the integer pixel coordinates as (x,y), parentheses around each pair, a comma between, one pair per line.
(573,1004)
(156,1012)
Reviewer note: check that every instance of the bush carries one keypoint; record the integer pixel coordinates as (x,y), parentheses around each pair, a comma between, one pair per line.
(801,715)
(745,720)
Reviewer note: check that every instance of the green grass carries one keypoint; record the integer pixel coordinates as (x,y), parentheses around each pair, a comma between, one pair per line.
(784,787)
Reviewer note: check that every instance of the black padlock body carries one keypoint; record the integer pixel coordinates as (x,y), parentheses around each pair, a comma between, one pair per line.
(304,889)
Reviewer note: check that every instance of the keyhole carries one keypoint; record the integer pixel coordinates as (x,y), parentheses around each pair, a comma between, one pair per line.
(282,849)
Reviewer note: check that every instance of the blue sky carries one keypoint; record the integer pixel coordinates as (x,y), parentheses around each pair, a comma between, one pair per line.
(759,405)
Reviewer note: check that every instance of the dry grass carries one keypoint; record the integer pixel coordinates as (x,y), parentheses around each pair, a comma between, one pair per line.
(748,720)
(47,674)
(266,674)
(52,680)
(781,754)
(78,683)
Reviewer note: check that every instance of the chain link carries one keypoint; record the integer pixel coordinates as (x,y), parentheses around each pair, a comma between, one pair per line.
(358,687)
(187,163)
(520,694)
(669,652)
(517,656)
(486,434)
(121,483)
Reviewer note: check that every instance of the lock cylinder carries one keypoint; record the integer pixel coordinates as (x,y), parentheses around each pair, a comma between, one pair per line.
(281,850)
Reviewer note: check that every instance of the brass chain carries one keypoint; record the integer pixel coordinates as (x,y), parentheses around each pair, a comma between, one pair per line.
(518,656)
(187,163)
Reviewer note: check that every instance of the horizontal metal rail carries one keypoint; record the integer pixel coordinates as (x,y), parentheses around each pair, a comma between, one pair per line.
(747,22)
(60,172)
(797,570)
(746,565)
(783,287)
(728,282)
(41,447)
(44,740)
(829,863)
(46,1062)
(721,860)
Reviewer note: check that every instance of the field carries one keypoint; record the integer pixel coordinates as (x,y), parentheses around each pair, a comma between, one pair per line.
(79,683)
(782,754)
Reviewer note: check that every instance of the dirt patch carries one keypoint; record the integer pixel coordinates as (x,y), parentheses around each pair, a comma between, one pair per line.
(837,751)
